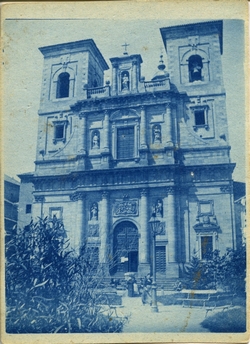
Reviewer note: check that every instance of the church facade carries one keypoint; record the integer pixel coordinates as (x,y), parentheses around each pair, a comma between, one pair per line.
(109,155)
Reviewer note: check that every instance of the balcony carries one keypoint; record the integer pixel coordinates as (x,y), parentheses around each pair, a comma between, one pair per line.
(98,92)
(157,85)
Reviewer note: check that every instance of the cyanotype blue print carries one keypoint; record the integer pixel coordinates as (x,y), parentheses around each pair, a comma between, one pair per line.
(132,217)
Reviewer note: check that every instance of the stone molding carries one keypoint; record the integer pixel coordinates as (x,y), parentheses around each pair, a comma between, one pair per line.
(144,192)
(77,196)
(226,189)
(39,198)
(130,101)
(135,177)
(83,115)
(105,195)
(170,190)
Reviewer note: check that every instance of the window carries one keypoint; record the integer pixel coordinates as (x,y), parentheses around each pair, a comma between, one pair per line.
(195,68)
(199,117)
(62,85)
(206,246)
(125,143)
(59,131)
(28,208)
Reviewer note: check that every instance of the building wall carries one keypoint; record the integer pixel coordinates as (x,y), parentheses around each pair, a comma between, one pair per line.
(108,157)
(11,199)
(26,201)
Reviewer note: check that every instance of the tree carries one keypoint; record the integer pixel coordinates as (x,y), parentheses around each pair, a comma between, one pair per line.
(49,289)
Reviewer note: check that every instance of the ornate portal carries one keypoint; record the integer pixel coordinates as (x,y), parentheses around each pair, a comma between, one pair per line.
(125,208)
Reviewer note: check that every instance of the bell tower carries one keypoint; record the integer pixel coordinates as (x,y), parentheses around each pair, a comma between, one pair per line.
(194,56)
(69,68)
(194,63)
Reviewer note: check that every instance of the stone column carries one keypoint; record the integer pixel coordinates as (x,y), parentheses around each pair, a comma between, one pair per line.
(172,269)
(106,131)
(80,230)
(144,240)
(114,79)
(143,129)
(82,133)
(104,230)
(168,125)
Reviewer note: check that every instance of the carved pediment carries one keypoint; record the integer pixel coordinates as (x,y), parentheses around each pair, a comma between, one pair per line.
(124,114)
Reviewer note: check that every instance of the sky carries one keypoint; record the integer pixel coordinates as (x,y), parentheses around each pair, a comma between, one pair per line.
(23,67)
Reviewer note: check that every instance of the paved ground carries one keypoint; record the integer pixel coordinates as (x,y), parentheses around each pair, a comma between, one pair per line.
(168,319)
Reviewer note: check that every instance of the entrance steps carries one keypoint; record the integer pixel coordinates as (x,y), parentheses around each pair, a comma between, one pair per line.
(162,282)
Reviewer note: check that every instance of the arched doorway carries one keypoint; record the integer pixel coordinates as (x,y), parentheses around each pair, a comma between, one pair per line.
(125,248)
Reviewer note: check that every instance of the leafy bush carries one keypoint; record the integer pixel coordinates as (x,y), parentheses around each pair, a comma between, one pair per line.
(49,289)
(231,320)
(227,271)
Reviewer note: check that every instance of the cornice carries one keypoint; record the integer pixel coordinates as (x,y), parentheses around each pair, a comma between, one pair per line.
(125,101)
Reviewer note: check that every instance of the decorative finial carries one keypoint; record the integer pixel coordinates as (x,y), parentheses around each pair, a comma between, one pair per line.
(125,45)
(161,65)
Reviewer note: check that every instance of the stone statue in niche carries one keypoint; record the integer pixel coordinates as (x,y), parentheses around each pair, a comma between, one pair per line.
(159,208)
(125,81)
(94,211)
(157,134)
(95,140)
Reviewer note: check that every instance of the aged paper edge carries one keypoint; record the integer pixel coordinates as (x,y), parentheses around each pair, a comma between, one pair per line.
(182,9)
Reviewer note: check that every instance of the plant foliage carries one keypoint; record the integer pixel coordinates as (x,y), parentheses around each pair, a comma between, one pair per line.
(49,289)
(231,320)
(227,271)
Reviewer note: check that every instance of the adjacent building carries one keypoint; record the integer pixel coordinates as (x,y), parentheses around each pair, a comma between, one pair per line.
(11,199)
(111,154)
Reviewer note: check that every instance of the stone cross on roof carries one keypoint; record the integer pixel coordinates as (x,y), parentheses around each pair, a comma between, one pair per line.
(125,45)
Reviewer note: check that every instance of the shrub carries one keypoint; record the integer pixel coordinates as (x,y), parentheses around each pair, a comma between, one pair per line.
(227,271)
(48,288)
(231,320)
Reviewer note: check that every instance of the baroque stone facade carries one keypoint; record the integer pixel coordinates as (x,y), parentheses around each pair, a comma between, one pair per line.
(109,155)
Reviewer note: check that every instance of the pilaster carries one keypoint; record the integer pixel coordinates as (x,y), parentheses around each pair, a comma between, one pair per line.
(82,140)
(168,125)
(114,79)
(80,235)
(144,261)
(104,230)
(172,265)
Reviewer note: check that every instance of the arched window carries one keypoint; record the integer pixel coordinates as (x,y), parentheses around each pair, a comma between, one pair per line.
(62,85)
(195,66)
